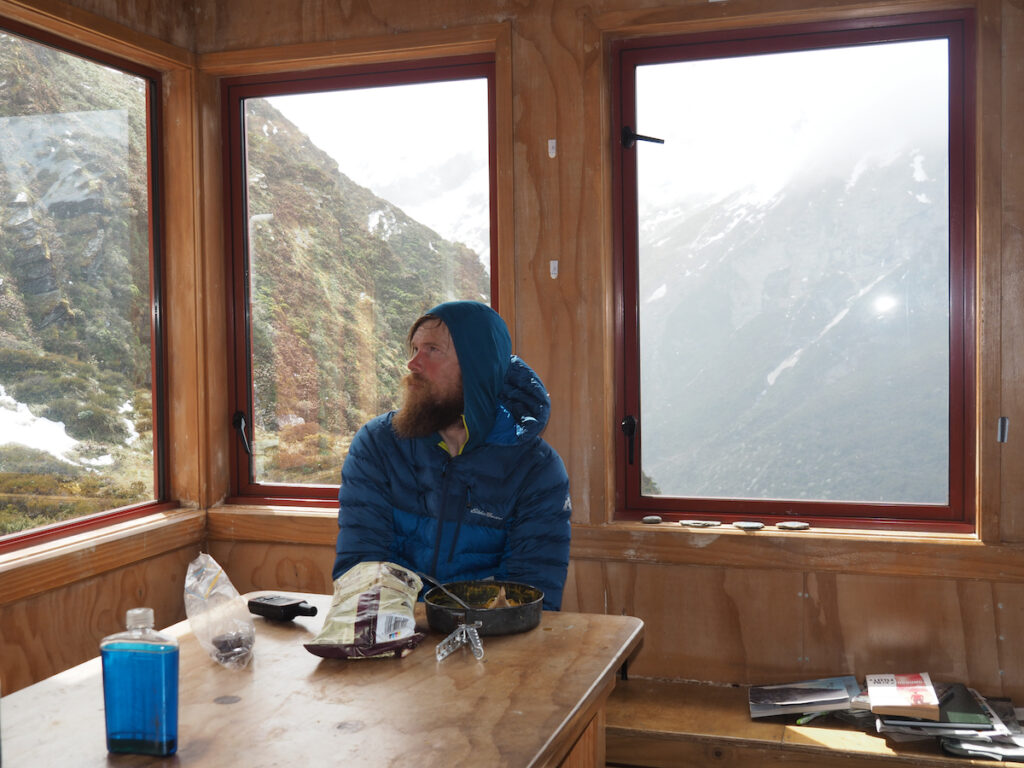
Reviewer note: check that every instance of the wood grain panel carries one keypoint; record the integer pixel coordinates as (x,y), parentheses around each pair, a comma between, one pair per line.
(273,524)
(558,207)
(660,19)
(661,725)
(526,704)
(988,129)
(296,568)
(370,48)
(49,632)
(146,37)
(170,20)
(875,553)
(824,644)
(1009,630)
(34,570)
(183,289)
(837,551)
(977,603)
(748,626)
(588,751)
(581,593)
(1011,402)
(634,750)
(709,623)
(213,413)
(884,628)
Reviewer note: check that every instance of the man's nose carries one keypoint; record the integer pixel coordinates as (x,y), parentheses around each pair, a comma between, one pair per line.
(415,364)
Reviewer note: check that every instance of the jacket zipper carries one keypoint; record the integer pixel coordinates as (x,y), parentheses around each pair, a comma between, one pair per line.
(441,516)
(458,525)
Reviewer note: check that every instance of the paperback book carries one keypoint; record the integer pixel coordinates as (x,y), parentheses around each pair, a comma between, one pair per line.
(906,695)
(822,695)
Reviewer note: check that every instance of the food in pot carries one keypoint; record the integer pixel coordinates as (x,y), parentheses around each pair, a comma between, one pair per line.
(500,600)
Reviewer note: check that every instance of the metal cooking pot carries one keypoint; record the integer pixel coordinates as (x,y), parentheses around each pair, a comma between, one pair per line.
(444,614)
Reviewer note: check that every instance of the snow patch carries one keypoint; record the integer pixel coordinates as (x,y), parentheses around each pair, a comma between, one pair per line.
(20,427)
(382,222)
(917,164)
(659,293)
(792,360)
(127,407)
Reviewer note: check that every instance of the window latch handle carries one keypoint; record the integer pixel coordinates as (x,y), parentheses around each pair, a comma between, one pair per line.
(628,427)
(630,138)
(238,422)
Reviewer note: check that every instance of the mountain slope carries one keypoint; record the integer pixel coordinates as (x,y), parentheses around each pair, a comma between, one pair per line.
(783,336)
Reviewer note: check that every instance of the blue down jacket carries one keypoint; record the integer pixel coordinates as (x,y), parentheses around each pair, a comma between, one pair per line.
(499,509)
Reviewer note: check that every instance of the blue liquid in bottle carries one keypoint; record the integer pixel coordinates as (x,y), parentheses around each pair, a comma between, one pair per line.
(140,688)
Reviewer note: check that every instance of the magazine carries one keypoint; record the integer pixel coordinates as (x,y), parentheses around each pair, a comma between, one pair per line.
(821,695)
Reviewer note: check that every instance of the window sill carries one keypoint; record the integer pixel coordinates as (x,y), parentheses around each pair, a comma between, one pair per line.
(55,563)
(36,569)
(878,553)
(273,524)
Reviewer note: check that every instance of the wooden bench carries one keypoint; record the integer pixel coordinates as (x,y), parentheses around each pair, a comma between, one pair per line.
(658,724)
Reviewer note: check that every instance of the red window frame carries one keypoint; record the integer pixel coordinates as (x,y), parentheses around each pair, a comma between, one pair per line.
(958,28)
(244,489)
(162,502)
(157,346)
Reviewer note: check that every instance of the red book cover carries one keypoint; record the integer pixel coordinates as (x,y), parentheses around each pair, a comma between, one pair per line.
(906,695)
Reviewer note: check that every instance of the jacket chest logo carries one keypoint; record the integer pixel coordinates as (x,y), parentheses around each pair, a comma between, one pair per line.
(484,513)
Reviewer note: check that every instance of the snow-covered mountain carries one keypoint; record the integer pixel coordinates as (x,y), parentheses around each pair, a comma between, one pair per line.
(796,345)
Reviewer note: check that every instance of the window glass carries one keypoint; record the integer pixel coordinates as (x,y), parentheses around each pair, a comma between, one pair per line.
(365,207)
(76,370)
(794,279)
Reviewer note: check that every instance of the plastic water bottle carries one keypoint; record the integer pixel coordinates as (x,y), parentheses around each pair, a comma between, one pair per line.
(140,688)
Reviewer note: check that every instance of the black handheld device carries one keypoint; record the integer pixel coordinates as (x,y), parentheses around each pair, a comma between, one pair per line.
(280,608)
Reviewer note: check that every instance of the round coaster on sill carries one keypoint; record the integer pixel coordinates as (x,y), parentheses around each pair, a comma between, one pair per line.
(748,525)
(793,525)
(699,523)
(651,519)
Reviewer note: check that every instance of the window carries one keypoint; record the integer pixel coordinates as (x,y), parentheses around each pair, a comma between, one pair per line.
(360,198)
(796,335)
(80,382)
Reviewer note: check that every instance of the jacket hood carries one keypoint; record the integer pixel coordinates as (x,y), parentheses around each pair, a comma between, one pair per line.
(484,350)
(523,406)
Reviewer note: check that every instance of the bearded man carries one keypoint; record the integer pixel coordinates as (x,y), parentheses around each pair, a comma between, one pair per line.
(458,484)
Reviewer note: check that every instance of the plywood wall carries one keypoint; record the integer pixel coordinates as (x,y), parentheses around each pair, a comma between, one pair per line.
(741,610)
(60,627)
(742,617)
(774,618)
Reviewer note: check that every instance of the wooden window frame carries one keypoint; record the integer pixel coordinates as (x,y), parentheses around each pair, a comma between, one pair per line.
(243,488)
(959,515)
(158,346)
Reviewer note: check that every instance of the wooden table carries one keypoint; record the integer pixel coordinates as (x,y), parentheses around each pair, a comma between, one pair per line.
(536,699)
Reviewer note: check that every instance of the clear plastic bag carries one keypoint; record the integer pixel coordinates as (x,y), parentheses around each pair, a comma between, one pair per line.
(371,614)
(219,616)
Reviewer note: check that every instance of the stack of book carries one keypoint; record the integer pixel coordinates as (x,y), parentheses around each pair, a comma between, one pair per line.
(804,698)
(903,707)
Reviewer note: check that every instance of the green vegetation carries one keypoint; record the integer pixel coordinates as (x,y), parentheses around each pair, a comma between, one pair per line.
(332,296)
(74,282)
(332,299)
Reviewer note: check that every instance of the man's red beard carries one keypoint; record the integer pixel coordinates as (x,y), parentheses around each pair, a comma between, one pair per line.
(425,410)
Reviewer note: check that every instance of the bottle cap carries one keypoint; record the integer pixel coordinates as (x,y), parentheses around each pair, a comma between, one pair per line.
(139,617)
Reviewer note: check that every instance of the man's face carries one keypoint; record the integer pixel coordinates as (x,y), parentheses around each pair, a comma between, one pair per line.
(432,390)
